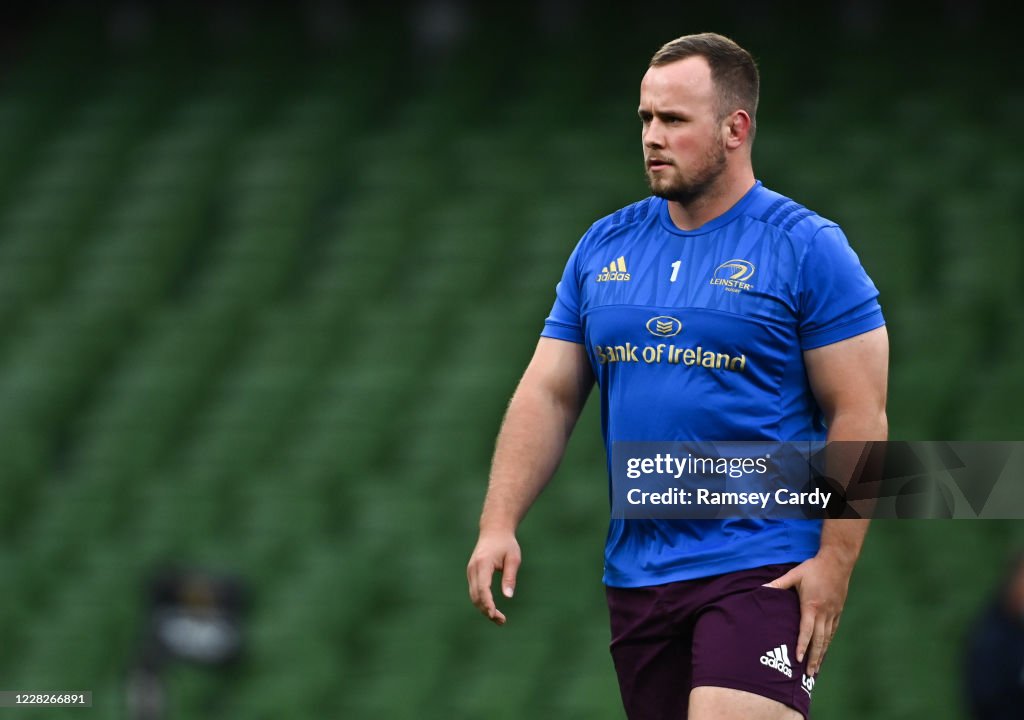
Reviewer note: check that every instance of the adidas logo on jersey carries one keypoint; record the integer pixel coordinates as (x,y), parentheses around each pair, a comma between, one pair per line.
(614,271)
(779,660)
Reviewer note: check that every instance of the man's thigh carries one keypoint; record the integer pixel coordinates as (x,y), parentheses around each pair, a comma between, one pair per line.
(717,703)
(744,657)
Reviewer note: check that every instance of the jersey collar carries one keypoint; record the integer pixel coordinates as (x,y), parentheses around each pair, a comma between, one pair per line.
(724,219)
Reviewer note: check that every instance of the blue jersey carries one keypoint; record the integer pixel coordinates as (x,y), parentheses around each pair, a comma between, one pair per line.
(699,335)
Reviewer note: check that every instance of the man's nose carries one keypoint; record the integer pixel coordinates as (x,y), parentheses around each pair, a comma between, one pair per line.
(653,135)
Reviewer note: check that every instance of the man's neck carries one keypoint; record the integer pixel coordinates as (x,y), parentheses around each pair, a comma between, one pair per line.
(717,201)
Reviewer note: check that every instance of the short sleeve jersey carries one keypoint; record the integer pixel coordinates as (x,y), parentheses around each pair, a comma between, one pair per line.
(699,336)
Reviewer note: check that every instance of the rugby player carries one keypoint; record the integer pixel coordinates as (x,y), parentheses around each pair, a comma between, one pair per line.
(776,335)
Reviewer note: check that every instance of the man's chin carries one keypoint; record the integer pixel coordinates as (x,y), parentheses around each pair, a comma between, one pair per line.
(674,193)
(666,191)
(659,187)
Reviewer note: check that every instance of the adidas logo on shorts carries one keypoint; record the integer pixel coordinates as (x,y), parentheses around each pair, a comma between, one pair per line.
(778,659)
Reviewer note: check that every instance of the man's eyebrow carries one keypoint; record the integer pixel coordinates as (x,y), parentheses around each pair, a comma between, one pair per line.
(672,113)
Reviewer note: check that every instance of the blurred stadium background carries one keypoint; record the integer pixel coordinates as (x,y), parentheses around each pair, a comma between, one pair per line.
(269,274)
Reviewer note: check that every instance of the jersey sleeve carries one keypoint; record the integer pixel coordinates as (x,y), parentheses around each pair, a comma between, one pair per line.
(837,298)
(564,322)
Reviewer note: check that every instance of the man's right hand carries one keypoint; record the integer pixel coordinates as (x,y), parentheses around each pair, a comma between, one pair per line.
(494,551)
(537,424)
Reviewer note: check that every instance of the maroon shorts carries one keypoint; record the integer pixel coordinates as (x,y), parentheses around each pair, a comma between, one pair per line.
(725,630)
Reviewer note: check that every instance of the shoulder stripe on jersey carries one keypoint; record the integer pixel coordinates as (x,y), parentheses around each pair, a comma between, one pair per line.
(780,215)
(797,217)
(631,213)
(789,216)
(772,208)
(644,209)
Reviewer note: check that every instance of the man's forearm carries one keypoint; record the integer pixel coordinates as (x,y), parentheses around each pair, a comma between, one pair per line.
(842,539)
(529,447)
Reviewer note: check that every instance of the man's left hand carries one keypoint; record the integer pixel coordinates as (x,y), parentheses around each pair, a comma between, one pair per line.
(822,586)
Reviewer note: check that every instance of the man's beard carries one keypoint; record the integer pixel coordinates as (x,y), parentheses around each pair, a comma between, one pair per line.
(685,190)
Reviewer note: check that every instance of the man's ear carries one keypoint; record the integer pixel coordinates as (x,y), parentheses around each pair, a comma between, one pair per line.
(737,128)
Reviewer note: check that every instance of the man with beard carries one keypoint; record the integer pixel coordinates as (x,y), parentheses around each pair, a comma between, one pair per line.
(769,330)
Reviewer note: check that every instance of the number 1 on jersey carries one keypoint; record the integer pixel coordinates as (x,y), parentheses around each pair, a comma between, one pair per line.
(675,270)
